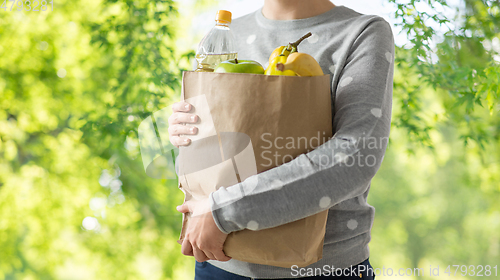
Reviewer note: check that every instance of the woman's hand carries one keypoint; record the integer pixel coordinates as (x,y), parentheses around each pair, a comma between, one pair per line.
(203,239)
(176,124)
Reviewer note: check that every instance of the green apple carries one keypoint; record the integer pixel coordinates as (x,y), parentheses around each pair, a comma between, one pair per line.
(239,66)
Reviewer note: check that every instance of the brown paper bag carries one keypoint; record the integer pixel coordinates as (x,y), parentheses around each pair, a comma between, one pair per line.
(235,111)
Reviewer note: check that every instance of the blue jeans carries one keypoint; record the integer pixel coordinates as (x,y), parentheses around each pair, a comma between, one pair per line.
(206,271)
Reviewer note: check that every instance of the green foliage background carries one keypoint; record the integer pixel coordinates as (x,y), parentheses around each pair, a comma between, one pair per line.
(76,82)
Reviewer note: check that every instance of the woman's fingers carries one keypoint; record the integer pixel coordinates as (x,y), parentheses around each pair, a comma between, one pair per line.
(181,107)
(199,255)
(209,255)
(177,118)
(187,248)
(179,141)
(177,122)
(178,129)
(175,131)
(220,256)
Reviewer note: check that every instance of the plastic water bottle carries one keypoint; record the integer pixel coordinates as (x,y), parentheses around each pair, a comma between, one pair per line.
(218,45)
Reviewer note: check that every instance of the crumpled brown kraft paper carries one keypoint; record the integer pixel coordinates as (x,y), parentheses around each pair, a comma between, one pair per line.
(235,111)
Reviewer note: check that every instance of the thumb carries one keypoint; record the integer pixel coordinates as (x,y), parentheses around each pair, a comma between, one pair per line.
(183,208)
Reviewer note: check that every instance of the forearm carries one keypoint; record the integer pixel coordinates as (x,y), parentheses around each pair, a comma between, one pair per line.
(336,171)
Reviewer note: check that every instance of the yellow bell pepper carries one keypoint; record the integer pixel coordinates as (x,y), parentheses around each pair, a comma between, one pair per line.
(288,49)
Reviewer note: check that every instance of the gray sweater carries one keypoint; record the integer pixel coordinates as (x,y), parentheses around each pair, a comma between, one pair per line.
(358,51)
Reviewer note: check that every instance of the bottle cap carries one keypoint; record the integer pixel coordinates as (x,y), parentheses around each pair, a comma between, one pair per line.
(223,16)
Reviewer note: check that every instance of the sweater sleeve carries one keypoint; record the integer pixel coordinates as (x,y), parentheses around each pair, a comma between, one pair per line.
(338,170)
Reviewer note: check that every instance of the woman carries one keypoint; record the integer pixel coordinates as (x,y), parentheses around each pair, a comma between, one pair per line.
(358,51)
